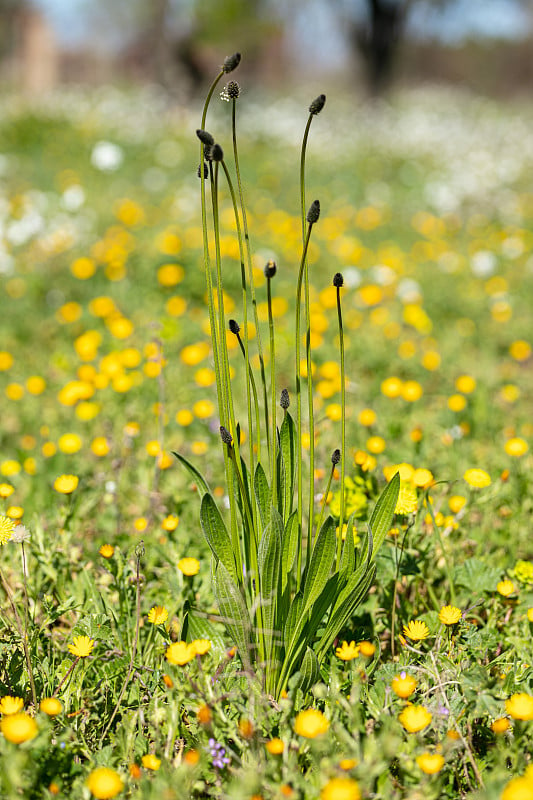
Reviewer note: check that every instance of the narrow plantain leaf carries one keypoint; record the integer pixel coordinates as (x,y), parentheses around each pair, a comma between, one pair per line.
(287,446)
(199,626)
(233,611)
(197,476)
(269,565)
(262,493)
(289,548)
(217,536)
(347,564)
(321,562)
(342,612)
(309,671)
(381,518)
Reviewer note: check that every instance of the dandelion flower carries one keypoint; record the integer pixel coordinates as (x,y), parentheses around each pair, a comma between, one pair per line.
(180,653)
(66,484)
(415,718)
(275,746)
(450,615)
(150,761)
(81,647)
(516,447)
(157,615)
(106,550)
(347,652)
(340,789)
(189,566)
(18,728)
(520,706)
(505,588)
(430,763)
(407,500)
(416,630)
(403,685)
(201,646)
(530,614)
(6,490)
(500,725)
(104,783)
(520,788)
(477,478)
(347,763)
(7,527)
(51,706)
(367,649)
(311,723)
(11,705)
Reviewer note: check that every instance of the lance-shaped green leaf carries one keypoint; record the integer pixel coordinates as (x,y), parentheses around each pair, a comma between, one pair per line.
(289,548)
(321,562)
(347,564)
(381,518)
(269,566)
(217,536)
(343,611)
(262,493)
(233,611)
(287,447)
(198,478)
(199,626)
(309,671)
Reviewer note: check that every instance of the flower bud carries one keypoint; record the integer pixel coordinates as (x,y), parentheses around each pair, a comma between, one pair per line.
(318,104)
(217,154)
(231,62)
(314,212)
(284,400)
(335,457)
(270,268)
(234,327)
(225,435)
(206,171)
(338,280)
(205,137)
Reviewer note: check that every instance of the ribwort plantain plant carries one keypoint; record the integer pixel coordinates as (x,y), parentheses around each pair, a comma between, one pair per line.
(285,581)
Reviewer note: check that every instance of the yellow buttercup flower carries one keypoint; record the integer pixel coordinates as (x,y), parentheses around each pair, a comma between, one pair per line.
(500,725)
(516,447)
(430,763)
(51,706)
(180,653)
(104,783)
(311,723)
(340,789)
(520,706)
(150,761)
(450,615)
(66,484)
(18,728)
(347,652)
(505,588)
(201,646)
(416,630)
(477,478)
(11,705)
(275,746)
(189,566)
(415,718)
(403,685)
(81,647)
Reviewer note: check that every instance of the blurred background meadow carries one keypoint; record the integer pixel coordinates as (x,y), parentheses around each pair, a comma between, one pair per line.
(422,160)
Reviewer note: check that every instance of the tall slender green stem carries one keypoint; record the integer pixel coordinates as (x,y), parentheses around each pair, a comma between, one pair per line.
(271,268)
(250,280)
(338,282)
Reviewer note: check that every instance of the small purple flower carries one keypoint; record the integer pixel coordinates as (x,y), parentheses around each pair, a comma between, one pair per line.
(443,711)
(218,754)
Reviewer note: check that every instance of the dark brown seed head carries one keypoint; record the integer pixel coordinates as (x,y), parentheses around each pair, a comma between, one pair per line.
(232,90)
(231,62)
(284,400)
(318,104)
(205,137)
(270,268)
(234,327)
(314,212)
(335,457)
(225,435)
(217,154)
(338,280)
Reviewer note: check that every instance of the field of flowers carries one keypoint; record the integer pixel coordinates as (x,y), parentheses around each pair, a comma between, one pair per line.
(119,673)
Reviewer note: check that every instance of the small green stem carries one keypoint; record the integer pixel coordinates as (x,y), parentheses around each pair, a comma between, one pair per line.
(273,453)
(343,422)
(323,508)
